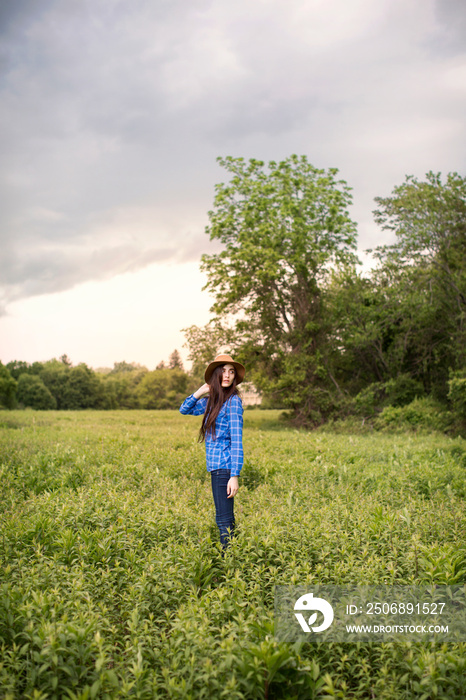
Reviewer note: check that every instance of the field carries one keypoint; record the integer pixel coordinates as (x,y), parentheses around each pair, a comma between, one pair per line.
(112,583)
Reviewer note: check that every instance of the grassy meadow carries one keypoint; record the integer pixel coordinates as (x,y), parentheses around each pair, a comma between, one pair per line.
(112,584)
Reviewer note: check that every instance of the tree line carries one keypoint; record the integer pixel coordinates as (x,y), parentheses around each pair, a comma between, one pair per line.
(318,336)
(58,385)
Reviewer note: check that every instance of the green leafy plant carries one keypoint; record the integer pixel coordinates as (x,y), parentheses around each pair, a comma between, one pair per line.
(112,584)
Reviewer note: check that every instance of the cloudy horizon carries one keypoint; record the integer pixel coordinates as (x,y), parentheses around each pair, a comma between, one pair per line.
(113,115)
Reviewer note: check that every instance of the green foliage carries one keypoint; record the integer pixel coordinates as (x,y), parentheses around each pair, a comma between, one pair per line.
(73,387)
(16,368)
(393,323)
(112,583)
(58,384)
(402,390)
(7,388)
(282,227)
(80,388)
(428,265)
(396,392)
(33,393)
(313,333)
(123,367)
(421,414)
(429,219)
(121,385)
(162,388)
(54,375)
(457,396)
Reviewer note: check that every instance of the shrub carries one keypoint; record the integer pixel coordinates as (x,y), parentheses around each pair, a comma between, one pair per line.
(403,390)
(369,400)
(420,414)
(399,391)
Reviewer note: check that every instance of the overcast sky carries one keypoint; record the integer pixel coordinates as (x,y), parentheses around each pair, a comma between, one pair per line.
(112,114)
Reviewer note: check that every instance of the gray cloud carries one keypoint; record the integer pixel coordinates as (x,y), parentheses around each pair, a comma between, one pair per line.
(55,270)
(113,114)
(451,14)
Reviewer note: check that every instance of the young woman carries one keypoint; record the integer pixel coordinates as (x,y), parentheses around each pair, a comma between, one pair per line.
(222,431)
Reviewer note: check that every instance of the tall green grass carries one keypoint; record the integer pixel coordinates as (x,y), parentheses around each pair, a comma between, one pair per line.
(112,581)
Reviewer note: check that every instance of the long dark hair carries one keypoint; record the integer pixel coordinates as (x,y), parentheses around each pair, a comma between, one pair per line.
(217,397)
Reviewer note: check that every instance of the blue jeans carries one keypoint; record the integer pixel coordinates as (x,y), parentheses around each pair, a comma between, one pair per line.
(224,515)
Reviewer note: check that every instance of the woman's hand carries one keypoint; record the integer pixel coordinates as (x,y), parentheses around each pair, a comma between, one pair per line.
(204,389)
(232,486)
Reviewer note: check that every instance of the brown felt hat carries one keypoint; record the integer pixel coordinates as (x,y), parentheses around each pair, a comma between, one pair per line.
(225,360)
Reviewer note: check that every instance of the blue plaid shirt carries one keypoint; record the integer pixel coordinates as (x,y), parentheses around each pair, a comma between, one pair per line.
(226,451)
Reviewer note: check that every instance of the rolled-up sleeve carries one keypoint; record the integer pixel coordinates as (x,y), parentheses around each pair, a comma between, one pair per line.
(192,406)
(236,435)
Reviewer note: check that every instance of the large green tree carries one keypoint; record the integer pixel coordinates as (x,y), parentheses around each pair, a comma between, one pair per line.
(429,260)
(283,226)
(401,328)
